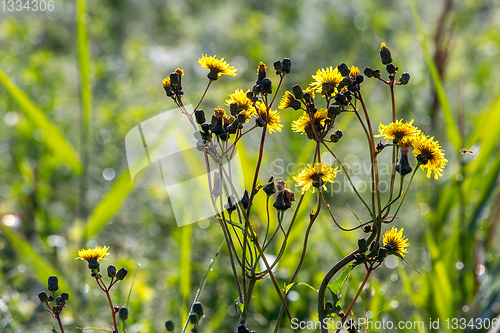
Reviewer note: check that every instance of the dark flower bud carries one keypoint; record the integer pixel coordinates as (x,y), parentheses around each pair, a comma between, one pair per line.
(382,252)
(233,128)
(267,86)
(368,72)
(362,245)
(64,296)
(199,114)
(241,118)
(403,167)
(327,88)
(385,54)
(58,300)
(206,127)
(174,78)
(287,65)
(405,78)
(234,109)
(245,199)
(51,298)
(255,99)
(120,275)
(380,146)
(336,136)
(57,309)
(270,188)
(260,122)
(231,204)
(285,197)
(334,110)
(341,99)
(345,81)
(343,69)
(297,91)
(359,79)
(111,271)
(123,313)
(169,325)
(249,95)
(309,131)
(422,159)
(43,297)
(352,87)
(367,228)
(193,318)
(278,66)
(391,68)
(224,136)
(53,283)
(376,73)
(307,97)
(242,329)
(198,309)
(256,89)
(206,136)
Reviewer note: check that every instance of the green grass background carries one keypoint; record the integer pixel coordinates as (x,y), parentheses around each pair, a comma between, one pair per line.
(74,81)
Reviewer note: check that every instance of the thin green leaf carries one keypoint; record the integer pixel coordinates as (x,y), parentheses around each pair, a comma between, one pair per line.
(95,329)
(202,283)
(337,284)
(288,287)
(110,204)
(53,329)
(185,281)
(451,126)
(28,255)
(53,139)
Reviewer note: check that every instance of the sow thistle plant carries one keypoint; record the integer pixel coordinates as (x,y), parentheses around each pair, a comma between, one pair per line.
(332,92)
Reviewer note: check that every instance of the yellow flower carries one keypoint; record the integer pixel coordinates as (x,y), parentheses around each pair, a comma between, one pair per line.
(179,71)
(300,124)
(217,67)
(402,134)
(166,83)
(329,75)
(244,103)
(289,101)
(93,255)
(274,120)
(395,242)
(430,155)
(262,68)
(354,71)
(315,175)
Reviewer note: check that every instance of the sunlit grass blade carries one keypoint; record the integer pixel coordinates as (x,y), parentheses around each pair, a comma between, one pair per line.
(83,61)
(202,283)
(31,258)
(451,126)
(110,204)
(53,137)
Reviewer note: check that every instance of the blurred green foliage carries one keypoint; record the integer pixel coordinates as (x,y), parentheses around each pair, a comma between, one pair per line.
(64,118)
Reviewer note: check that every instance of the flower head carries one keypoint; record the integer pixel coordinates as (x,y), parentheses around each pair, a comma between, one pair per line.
(273,121)
(354,71)
(288,101)
(93,255)
(315,175)
(300,124)
(329,75)
(395,242)
(243,103)
(217,67)
(402,134)
(430,155)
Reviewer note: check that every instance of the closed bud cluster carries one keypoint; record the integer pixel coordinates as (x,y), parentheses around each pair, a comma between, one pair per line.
(169,325)
(120,275)
(111,271)
(53,283)
(385,54)
(405,78)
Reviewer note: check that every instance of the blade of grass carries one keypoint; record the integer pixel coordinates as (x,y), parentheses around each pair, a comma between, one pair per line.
(53,139)
(185,279)
(451,126)
(202,283)
(83,61)
(28,255)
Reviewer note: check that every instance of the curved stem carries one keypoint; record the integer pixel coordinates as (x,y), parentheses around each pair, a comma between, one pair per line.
(324,284)
(203,96)
(60,323)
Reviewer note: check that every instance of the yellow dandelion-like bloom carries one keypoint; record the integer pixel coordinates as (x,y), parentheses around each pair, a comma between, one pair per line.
(398,131)
(430,155)
(217,67)
(93,255)
(316,176)
(274,119)
(289,101)
(166,83)
(328,75)
(244,103)
(354,71)
(262,67)
(395,242)
(300,124)
(179,71)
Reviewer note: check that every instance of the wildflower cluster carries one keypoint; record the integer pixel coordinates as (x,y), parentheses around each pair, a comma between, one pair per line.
(52,303)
